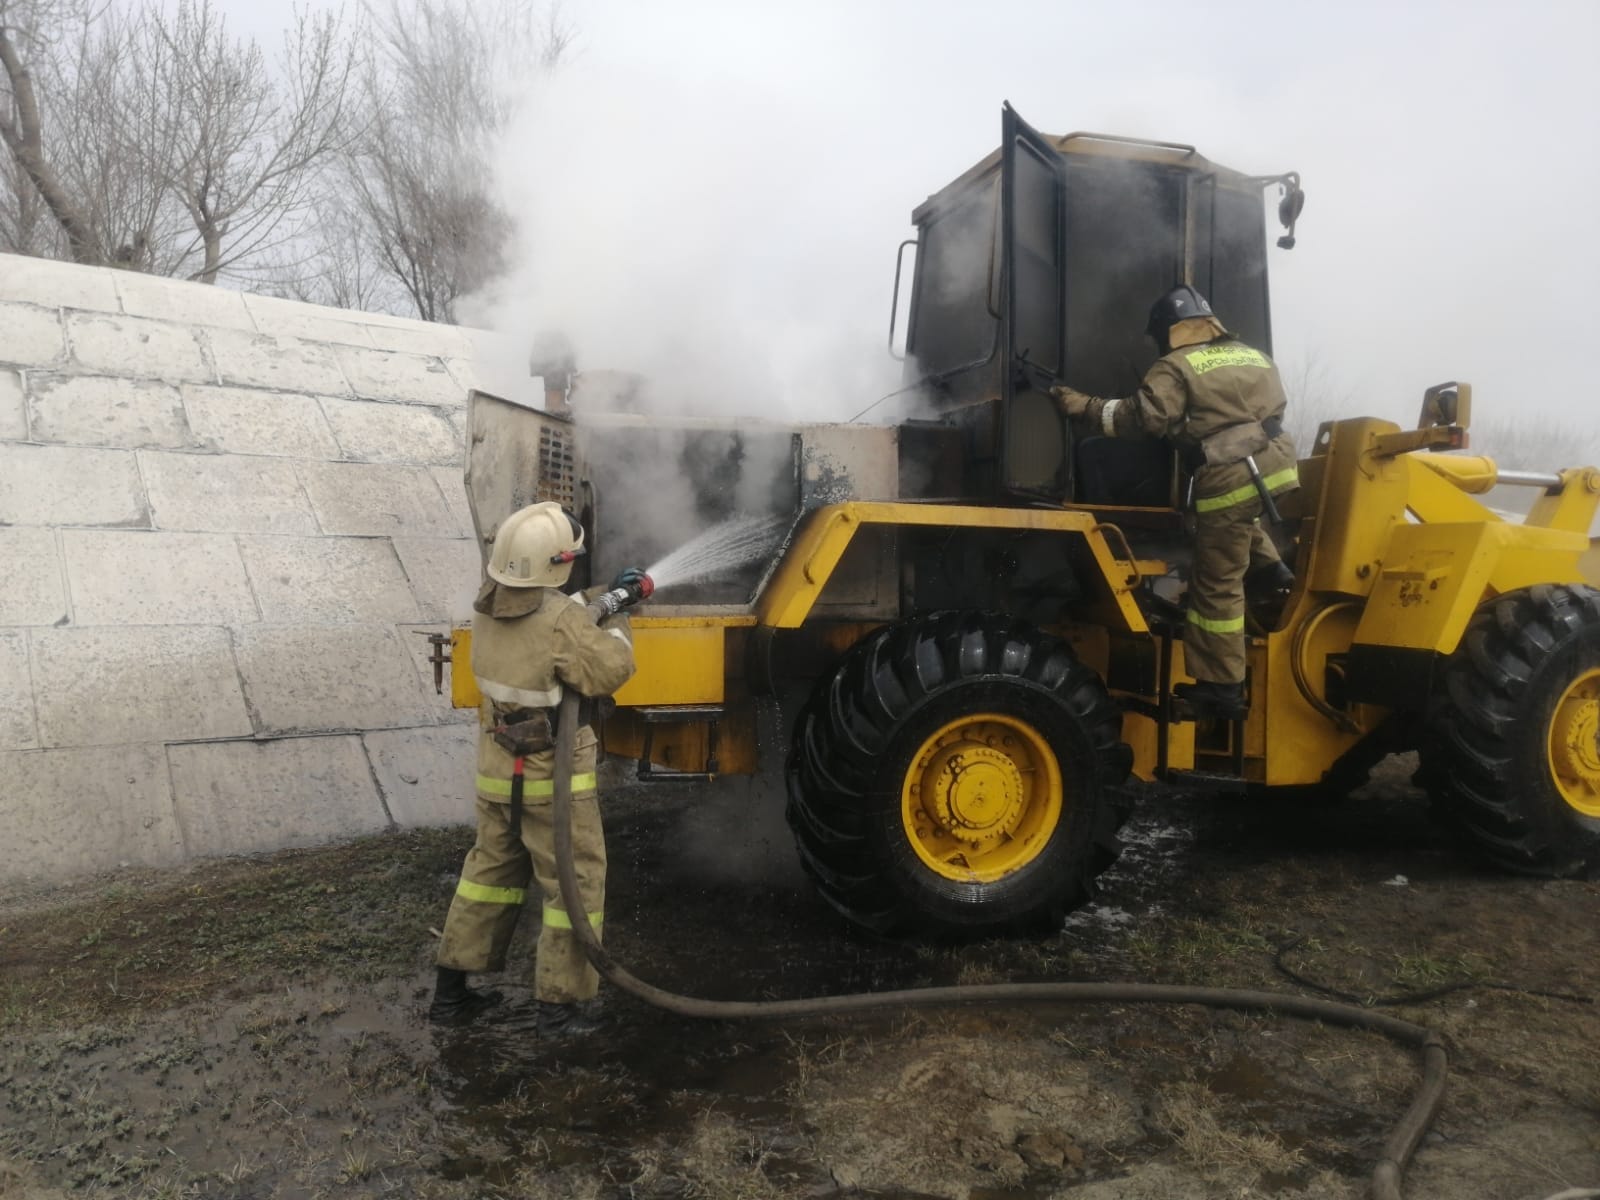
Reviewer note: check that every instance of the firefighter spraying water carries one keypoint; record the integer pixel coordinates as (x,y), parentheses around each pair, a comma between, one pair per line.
(535,645)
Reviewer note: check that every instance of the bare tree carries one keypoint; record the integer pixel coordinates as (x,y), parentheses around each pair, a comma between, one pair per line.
(167,145)
(440,90)
(28,33)
(341,270)
(26,226)
(237,145)
(108,127)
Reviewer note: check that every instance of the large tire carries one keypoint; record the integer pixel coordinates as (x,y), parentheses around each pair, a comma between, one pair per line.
(1511,756)
(957,775)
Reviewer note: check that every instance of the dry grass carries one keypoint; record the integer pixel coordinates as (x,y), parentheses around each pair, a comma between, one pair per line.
(1190,1113)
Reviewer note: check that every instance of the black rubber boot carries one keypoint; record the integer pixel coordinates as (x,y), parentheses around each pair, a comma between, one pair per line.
(565,1020)
(454,1003)
(1272,582)
(1222,701)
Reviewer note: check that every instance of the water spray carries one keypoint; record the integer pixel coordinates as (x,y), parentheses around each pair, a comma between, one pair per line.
(724,547)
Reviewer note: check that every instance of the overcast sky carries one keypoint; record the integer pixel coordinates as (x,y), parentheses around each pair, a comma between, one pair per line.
(727,181)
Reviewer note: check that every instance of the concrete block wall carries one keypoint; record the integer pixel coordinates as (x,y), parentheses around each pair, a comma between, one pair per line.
(224,521)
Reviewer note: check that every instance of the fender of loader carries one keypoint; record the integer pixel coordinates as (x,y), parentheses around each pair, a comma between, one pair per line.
(1104,564)
(1403,532)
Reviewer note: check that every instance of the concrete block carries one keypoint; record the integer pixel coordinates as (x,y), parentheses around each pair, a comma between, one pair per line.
(375,499)
(247,797)
(88,410)
(453,485)
(283,363)
(131,684)
(18,730)
(444,573)
(438,701)
(30,336)
(72,812)
(421,337)
(137,347)
(141,578)
(306,580)
(401,433)
(182,301)
(469,375)
(13,418)
(225,493)
(425,774)
(31,588)
(391,375)
(57,284)
(306,679)
(276,317)
(251,421)
(64,485)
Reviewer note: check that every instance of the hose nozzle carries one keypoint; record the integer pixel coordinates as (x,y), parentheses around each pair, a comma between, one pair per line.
(625,596)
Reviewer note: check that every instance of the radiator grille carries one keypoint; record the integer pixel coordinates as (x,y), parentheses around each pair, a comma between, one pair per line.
(557,470)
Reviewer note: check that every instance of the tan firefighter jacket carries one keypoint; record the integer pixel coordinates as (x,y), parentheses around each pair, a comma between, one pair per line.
(528,645)
(1200,390)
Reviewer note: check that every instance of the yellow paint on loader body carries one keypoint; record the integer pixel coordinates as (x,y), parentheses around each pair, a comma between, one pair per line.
(678,660)
(816,550)
(1395,554)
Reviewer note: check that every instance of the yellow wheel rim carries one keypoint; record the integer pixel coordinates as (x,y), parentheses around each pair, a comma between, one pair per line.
(1574,746)
(981,797)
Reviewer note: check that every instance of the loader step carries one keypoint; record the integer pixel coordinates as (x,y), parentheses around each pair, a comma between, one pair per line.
(674,714)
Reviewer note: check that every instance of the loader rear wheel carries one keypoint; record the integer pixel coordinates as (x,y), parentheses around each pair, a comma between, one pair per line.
(957,774)
(1512,753)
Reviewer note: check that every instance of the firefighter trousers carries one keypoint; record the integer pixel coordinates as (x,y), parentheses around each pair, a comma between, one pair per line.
(493,888)
(1228,544)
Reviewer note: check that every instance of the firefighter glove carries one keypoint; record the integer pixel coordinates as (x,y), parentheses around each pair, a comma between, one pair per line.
(629,577)
(1073,402)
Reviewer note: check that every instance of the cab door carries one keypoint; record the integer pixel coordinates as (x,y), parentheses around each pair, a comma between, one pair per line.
(1035,442)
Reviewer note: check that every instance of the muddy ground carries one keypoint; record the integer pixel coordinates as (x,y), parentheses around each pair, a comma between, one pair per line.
(253,1028)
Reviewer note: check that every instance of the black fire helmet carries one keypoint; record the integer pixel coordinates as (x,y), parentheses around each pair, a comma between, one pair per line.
(1180,304)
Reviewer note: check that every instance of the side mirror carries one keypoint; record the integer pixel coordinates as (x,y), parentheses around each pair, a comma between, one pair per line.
(1446,404)
(1289,208)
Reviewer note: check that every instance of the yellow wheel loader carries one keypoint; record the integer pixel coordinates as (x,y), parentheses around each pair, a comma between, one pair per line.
(961,645)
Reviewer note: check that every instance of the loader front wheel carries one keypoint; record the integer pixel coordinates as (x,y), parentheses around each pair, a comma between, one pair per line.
(1512,753)
(958,774)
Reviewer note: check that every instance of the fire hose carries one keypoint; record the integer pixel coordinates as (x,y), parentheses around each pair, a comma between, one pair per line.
(1398,1148)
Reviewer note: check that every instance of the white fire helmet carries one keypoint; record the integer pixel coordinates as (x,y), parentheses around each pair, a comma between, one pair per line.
(535,546)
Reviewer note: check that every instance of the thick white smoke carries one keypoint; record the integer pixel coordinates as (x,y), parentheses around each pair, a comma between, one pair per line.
(716,245)
(712,193)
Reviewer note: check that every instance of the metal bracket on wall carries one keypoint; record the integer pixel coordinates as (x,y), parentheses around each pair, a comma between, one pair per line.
(439,644)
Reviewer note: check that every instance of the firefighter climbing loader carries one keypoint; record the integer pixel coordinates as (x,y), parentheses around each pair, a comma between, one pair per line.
(970,623)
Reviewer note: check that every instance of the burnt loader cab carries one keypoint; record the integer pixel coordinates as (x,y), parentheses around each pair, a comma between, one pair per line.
(1038,267)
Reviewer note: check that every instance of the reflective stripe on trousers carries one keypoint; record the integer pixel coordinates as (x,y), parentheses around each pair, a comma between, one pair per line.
(1213,625)
(556,918)
(490,895)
